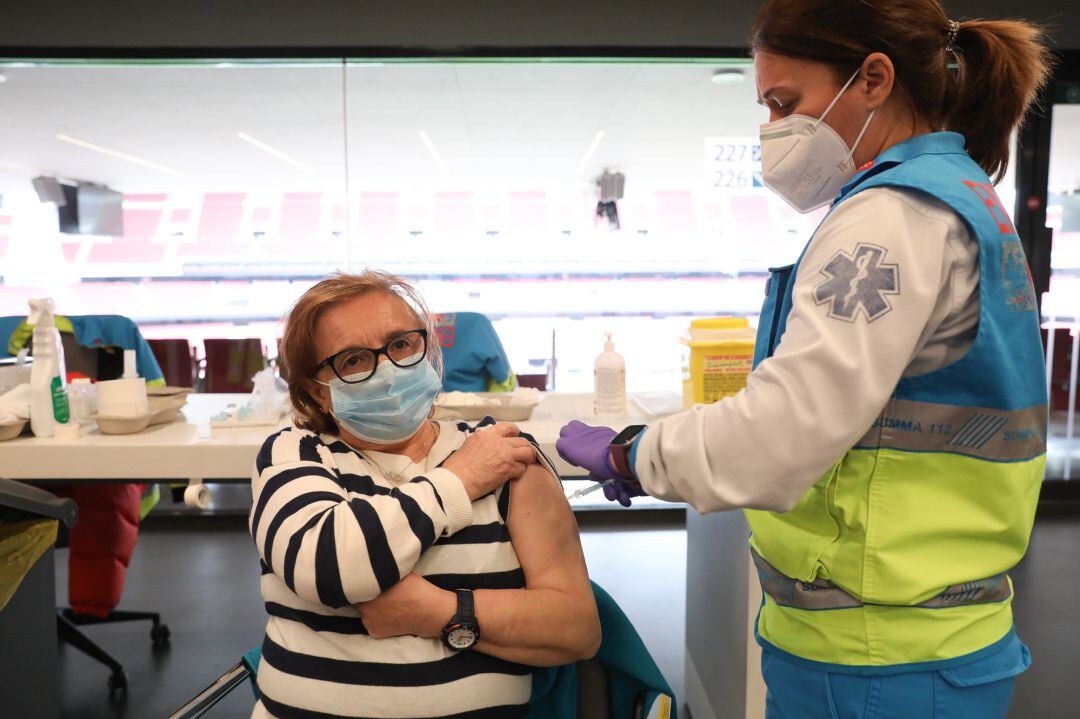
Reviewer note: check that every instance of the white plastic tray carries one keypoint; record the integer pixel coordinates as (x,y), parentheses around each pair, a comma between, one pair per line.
(496,405)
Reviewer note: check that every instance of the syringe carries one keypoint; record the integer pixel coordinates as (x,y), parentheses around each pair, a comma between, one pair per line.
(589,490)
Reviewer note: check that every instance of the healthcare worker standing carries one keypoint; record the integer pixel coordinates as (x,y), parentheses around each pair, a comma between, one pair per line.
(890,443)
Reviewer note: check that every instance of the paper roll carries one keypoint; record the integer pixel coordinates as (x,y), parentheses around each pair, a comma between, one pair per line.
(129,365)
(67,431)
(197,496)
(122,398)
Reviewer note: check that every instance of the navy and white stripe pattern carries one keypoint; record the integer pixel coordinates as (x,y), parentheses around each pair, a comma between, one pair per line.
(332,531)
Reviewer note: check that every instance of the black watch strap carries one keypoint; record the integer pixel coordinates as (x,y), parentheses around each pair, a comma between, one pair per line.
(463,625)
(466,607)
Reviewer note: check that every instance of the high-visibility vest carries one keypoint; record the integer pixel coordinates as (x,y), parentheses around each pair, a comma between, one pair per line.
(900,553)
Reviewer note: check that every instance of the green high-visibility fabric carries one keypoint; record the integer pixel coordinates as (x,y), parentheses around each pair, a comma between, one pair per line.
(22,334)
(509,385)
(886,526)
(149,500)
(21,545)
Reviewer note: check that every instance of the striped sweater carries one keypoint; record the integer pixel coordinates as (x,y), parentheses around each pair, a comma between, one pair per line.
(332,531)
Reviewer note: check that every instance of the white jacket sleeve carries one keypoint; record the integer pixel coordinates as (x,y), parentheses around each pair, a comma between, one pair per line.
(862,302)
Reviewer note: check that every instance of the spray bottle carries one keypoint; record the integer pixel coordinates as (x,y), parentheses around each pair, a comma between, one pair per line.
(609,374)
(48,376)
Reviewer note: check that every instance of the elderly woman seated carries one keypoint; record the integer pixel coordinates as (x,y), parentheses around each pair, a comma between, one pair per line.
(411,568)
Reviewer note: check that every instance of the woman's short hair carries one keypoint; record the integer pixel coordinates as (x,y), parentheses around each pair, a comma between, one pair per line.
(298,347)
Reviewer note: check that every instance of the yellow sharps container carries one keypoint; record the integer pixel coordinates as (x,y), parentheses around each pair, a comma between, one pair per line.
(721,357)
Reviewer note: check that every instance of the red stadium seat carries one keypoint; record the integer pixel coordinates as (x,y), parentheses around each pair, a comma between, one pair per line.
(535,381)
(231,363)
(177,360)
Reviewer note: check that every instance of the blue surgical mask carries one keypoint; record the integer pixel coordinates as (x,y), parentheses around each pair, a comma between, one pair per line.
(389,407)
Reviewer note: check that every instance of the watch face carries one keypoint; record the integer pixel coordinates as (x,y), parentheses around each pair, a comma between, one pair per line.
(461,638)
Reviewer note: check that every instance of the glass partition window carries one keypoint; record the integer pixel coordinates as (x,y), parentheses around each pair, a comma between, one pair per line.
(227,180)
(1061,305)
(213,194)
(482,178)
(1063,213)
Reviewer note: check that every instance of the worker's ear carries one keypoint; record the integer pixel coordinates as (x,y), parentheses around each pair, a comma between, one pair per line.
(876,83)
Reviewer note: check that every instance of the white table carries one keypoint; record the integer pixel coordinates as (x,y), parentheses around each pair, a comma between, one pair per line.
(187,449)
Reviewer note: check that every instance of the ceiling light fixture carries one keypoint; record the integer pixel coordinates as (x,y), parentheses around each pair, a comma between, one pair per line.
(114,153)
(275,152)
(589,153)
(728,76)
(16,166)
(434,153)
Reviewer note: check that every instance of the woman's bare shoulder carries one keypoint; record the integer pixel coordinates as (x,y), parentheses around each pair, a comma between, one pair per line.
(538,494)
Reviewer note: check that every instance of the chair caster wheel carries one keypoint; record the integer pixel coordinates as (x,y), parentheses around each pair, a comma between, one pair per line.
(160,635)
(118,685)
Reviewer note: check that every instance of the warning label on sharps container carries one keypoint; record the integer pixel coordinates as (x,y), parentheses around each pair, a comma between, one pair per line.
(724,375)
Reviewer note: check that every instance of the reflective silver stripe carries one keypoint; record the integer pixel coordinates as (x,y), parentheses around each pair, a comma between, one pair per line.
(981,591)
(991,434)
(789,592)
(822,594)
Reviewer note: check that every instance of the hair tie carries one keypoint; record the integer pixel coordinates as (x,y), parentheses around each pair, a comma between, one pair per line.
(954,29)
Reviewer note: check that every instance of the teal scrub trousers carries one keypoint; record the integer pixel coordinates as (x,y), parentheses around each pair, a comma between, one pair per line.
(981,689)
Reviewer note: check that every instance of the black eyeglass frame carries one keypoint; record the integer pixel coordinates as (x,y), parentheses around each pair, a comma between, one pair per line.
(329,361)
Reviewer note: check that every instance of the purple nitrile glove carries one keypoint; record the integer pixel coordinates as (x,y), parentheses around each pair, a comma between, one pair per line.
(621,490)
(587,447)
(590,448)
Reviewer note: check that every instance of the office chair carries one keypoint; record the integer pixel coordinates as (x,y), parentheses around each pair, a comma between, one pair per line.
(68,622)
(100,363)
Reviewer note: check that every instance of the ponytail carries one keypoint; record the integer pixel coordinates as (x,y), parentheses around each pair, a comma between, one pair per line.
(1001,67)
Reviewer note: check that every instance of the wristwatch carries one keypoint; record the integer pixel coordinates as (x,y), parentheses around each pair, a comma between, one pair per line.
(620,450)
(463,632)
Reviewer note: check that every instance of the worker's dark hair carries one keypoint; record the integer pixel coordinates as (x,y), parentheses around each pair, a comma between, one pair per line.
(998,66)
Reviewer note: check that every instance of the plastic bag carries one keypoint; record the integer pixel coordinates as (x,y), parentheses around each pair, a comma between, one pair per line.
(270,397)
(264,406)
(15,404)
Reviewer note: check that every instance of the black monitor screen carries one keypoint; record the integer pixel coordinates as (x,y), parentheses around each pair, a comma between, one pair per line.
(69,211)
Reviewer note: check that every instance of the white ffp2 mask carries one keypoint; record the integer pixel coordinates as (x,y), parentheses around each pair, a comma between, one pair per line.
(803,159)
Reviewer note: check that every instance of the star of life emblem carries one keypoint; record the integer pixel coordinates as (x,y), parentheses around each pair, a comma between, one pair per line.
(858,281)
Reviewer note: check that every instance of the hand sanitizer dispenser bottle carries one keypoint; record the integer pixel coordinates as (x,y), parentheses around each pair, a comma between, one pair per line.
(609,375)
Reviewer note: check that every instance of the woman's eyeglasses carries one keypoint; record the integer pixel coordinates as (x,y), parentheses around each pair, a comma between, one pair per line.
(359,363)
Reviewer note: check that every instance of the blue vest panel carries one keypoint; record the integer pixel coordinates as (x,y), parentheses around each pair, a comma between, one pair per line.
(1003,369)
